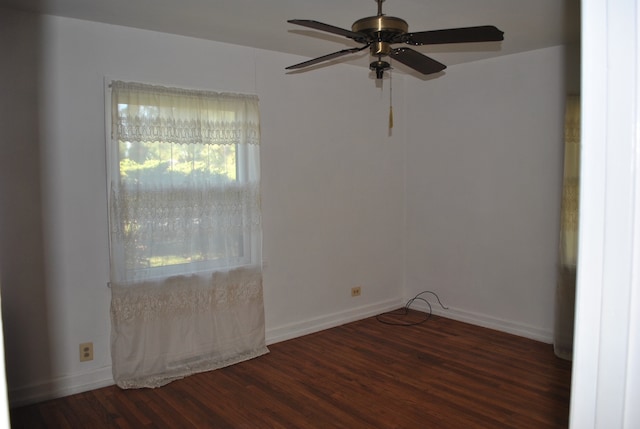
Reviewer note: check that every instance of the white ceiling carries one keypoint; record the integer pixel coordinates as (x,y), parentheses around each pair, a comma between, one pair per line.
(527,24)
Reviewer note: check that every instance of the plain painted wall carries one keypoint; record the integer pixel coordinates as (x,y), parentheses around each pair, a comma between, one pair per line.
(345,202)
(484,152)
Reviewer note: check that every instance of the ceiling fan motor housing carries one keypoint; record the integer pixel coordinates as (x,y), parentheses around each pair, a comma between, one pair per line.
(380,24)
(381,31)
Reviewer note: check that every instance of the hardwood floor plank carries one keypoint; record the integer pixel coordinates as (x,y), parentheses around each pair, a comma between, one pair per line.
(366,374)
(127,412)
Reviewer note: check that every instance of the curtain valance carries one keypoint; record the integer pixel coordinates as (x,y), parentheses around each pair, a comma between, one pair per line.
(148,113)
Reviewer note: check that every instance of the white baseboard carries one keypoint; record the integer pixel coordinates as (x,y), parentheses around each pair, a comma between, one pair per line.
(298,329)
(490,322)
(102,377)
(61,386)
(65,386)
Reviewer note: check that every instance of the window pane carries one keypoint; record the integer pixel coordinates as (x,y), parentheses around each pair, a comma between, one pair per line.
(151,164)
(190,169)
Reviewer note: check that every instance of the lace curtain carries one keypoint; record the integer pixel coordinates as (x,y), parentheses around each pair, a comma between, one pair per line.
(185,230)
(566,287)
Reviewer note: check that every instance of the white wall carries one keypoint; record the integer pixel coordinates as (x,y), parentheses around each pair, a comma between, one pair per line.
(332,191)
(484,151)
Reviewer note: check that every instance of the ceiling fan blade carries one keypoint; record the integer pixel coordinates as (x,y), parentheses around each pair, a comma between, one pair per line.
(417,61)
(485,33)
(328,28)
(325,58)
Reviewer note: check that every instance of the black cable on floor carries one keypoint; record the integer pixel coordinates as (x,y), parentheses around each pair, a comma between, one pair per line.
(398,314)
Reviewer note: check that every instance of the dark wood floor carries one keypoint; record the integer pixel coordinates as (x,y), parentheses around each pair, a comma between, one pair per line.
(441,374)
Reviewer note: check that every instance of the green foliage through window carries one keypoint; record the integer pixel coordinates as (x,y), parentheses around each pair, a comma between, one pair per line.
(155,163)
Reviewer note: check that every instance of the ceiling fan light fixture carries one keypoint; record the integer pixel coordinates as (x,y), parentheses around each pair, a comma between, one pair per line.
(379,67)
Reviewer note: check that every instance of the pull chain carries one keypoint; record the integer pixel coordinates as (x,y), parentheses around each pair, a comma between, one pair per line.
(390,101)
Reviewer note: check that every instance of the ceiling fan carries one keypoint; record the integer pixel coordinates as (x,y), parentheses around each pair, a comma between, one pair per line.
(379,32)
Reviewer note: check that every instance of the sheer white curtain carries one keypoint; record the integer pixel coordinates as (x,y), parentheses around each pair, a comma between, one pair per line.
(185,230)
(566,287)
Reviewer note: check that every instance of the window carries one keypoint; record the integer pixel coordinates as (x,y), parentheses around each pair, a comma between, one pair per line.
(184,179)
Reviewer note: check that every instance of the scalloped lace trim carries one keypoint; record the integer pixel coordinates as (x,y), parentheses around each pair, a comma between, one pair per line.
(183,295)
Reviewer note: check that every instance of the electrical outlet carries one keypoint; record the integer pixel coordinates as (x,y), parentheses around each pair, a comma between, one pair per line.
(86,352)
(356,291)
